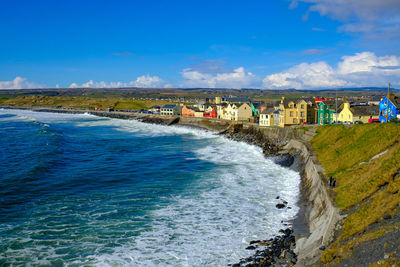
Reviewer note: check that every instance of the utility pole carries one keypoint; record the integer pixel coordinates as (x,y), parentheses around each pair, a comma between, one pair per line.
(336,115)
(387,104)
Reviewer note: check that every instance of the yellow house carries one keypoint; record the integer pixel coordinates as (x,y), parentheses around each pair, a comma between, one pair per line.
(293,112)
(345,114)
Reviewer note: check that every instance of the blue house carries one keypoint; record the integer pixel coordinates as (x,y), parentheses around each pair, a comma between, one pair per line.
(394,108)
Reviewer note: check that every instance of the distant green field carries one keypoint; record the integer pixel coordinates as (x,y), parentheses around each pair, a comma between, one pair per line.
(79,102)
(366,188)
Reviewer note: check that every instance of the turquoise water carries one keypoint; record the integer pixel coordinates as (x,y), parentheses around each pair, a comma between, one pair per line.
(80,189)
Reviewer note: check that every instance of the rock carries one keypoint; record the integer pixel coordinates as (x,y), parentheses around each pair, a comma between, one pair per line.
(322,248)
(283,254)
(280,206)
(277,197)
(254,242)
(251,247)
(387,216)
(284,159)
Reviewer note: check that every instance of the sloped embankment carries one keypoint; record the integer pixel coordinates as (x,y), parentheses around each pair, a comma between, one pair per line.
(365,161)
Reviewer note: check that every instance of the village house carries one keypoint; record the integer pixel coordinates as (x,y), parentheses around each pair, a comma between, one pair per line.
(365,113)
(327,111)
(293,112)
(230,112)
(345,115)
(170,110)
(221,110)
(389,108)
(210,112)
(277,117)
(155,109)
(267,117)
(187,111)
(237,112)
(245,113)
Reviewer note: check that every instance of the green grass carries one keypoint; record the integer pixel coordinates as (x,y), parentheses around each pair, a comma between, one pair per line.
(79,102)
(364,186)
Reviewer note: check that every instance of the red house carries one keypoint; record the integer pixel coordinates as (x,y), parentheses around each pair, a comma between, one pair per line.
(212,114)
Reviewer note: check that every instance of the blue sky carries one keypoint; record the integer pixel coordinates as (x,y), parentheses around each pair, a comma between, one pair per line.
(235,44)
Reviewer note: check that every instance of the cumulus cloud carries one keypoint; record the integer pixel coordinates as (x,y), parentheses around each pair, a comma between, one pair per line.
(145,81)
(19,83)
(238,78)
(360,16)
(361,69)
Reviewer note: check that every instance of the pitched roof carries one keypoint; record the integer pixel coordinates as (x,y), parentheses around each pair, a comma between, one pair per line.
(168,106)
(196,109)
(365,110)
(396,101)
(237,99)
(268,111)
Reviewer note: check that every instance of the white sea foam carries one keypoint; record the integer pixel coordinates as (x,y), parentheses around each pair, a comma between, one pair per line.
(208,225)
(213,226)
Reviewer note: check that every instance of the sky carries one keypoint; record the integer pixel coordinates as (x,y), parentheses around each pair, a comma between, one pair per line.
(267,44)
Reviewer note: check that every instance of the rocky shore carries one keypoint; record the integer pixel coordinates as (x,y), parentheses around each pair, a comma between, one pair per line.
(277,251)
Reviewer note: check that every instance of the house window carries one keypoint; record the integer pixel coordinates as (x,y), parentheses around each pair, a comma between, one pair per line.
(302,106)
(302,114)
(291,114)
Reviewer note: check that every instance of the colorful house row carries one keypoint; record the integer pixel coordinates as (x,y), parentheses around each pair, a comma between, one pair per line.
(331,111)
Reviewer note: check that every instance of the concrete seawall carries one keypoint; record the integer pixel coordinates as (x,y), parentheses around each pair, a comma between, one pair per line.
(321,215)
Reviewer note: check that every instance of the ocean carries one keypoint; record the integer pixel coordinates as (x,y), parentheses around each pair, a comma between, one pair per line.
(76,189)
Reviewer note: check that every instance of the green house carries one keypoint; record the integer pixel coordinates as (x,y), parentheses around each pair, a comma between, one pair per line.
(326,111)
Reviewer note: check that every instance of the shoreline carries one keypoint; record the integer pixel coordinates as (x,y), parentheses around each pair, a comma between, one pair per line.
(290,149)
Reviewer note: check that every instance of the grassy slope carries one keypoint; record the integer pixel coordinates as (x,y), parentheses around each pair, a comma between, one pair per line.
(79,102)
(366,191)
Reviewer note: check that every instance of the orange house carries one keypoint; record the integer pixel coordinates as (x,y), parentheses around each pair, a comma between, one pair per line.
(187,112)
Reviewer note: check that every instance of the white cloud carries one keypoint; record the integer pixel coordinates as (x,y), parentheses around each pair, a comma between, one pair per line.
(238,78)
(19,83)
(372,18)
(361,69)
(145,81)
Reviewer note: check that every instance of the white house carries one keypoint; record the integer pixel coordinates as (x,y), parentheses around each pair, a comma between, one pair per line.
(267,117)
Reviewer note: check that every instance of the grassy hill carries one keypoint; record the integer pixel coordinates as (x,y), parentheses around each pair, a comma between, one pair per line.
(365,160)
